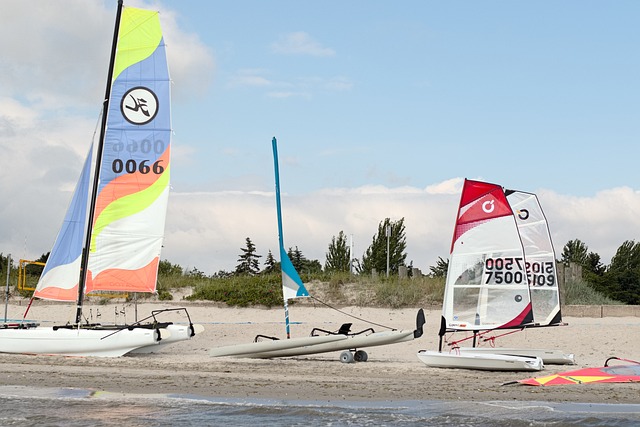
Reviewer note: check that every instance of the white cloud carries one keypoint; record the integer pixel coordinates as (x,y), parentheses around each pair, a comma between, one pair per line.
(249,77)
(300,43)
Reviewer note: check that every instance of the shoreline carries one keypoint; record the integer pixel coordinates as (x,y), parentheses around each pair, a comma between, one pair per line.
(392,373)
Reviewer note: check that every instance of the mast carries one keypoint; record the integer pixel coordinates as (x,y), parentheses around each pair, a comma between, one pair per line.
(280,238)
(96,176)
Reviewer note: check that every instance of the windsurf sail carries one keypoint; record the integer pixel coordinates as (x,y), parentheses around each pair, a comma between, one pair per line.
(122,230)
(606,374)
(292,285)
(486,286)
(540,257)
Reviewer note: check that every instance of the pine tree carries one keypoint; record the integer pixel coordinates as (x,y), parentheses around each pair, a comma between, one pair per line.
(339,254)
(249,263)
(270,263)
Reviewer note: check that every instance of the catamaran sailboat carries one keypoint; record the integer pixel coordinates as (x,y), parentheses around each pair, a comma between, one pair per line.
(112,233)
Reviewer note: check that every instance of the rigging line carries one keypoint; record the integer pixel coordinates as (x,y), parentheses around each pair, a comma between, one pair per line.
(350,315)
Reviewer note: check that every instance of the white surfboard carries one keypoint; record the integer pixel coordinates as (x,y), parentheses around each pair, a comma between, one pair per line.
(480,361)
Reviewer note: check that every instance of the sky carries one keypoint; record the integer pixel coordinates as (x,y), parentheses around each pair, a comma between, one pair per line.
(381,110)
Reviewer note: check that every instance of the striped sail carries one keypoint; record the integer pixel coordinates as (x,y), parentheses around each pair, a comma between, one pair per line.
(540,257)
(130,209)
(132,198)
(486,286)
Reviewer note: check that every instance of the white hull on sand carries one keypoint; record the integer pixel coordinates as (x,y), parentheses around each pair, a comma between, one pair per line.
(549,357)
(174,333)
(351,342)
(259,347)
(64,341)
(480,361)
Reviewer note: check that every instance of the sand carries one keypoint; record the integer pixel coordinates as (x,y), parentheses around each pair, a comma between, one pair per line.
(393,372)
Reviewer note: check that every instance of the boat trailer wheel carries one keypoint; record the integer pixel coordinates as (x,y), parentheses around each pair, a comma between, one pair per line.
(347,357)
(360,356)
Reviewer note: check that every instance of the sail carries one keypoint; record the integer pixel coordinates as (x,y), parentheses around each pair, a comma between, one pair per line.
(131,203)
(486,286)
(130,206)
(59,278)
(540,257)
(292,286)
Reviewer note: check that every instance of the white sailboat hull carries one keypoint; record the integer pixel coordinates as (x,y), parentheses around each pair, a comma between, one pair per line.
(75,342)
(549,357)
(480,361)
(256,348)
(174,333)
(350,343)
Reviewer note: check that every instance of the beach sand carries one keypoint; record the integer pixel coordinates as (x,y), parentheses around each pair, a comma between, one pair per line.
(393,372)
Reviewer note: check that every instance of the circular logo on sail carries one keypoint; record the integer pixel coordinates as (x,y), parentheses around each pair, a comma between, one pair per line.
(488,206)
(139,105)
(523,214)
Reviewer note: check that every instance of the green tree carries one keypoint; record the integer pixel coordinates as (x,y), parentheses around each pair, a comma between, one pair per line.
(375,257)
(440,269)
(339,254)
(594,265)
(575,251)
(270,264)
(297,259)
(248,260)
(622,279)
(302,264)
(165,268)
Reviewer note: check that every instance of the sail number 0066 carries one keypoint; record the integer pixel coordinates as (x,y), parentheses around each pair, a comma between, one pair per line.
(131,166)
(509,270)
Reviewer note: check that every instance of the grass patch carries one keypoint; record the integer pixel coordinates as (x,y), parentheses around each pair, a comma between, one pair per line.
(579,292)
(241,291)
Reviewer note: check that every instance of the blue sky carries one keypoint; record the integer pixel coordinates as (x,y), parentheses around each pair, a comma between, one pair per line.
(380,109)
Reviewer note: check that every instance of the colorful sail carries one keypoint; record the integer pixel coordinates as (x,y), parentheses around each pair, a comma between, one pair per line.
(486,285)
(59,278)
(606,374)
(131,204)
(539,255)
(133,169)
(292,286)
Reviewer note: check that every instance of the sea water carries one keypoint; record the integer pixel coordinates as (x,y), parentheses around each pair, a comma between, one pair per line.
(30,406)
